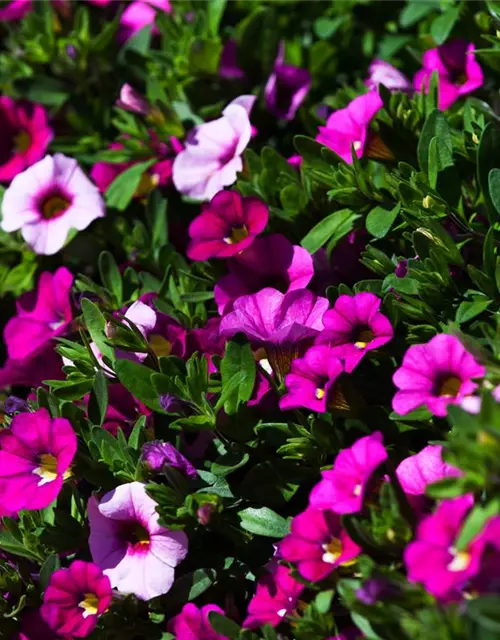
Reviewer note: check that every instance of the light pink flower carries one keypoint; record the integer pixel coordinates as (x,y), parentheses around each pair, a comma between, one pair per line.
(381,72)
(349,126)
(212,157)
(49,199)
(131,100)
(435,374)
(416,472)
(129,545)
(472,404)
(342,488)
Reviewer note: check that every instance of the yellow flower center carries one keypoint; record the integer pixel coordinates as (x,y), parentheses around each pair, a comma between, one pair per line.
(47,469)
(141,534)
(54,206)
(363,338)
(22,141)
(449,386)
(160,345)
(320,394)
(333,551)
(89,604)
(237,235)
(357,145)
(147,183)
(461,560)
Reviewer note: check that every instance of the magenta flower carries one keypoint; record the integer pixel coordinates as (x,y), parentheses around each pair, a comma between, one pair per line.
(44,364)
(15,10)
(458,71)
(318,544)
(227,226)
(381,72)
(193,623)
(33,627)
(140,14)
(127,543)
(286,87)
(311,380)
(349,127)
(212,157)
(30,330)
(416,472)
(49,199)
(75,598)
(35,457)
(342,488)
(271,261)
(158,455)
(228,65)
(25,135)
(355,326)
(435,374)
(432,558)
(275,598)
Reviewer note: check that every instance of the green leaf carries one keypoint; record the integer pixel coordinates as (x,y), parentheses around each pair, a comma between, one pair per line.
(96,323)
(264,522)
(486,612)
(191,585)
(416,10)
(487,159)
(475,522)
(229,462)
(45,90)
(51,564)
(443,25)
(110,276)
(12,544)
(238,369)
(494,188)
(215,11)
(98,402)
(323,601)
(379,221)
(121,191)
(339,223)
(204,55)
(468,310)
(224,626)
(137,379)
(435,125)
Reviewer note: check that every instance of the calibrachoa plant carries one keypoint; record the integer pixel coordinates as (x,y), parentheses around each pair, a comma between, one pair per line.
(250,283)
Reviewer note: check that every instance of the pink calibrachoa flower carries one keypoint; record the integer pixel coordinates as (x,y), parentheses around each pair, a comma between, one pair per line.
(355,326)
(127,543)
(349,126)
(140,14)
(458,71)
(311,380)
(281,323)
(416,472)
(381,72)
(275,598)
(15,10)
(271,261)
(35,457)
(75,598)
(212,157)
(435,374)
(226,226)
(25,135)
(193,623)
(432,557)
(318,544)
(49,199)
(30,330)
(286,87)
(342,488)
(44,364)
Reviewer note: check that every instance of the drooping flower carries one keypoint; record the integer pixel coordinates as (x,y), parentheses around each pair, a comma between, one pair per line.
(433,559)
(381,72)
(75,598)
(193,623)
(227,226)
(49,199)
(349,126)
(271,261)
(458,71)
(355,326)
(286,87)
(25,135)
(416,472)
(15,10)
(228,65)
(318,544)
(27,332)
(311,381)
(127,543)
(139,14)
(212,156)
(435,374)
(275,598)
(35,457)
(281,323)
(342,488)
(158,455)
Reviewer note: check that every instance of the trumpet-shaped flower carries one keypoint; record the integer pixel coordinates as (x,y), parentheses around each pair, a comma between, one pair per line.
(193,623)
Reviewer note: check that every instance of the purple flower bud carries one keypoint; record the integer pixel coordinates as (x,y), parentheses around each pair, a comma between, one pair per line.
(170,403)
(374,590)
(204,513)
(71,51)
(13,404)
(157,455)
(402,269)
(131,100)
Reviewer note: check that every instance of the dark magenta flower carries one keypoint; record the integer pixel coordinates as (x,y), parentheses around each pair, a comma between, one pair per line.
(311,380)
(435,374)
(275,598)
(193,623)
(75,598)
(226,226)
(271,261)
(228,65)
(15,10)
(158,455)
(318,544)
(458,71)
(342,488)
(25,134)
(355,326)
(35,457)
(286,87)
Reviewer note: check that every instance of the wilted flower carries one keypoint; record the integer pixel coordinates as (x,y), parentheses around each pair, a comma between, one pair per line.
(286,87)
(381,72)
(193,623)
